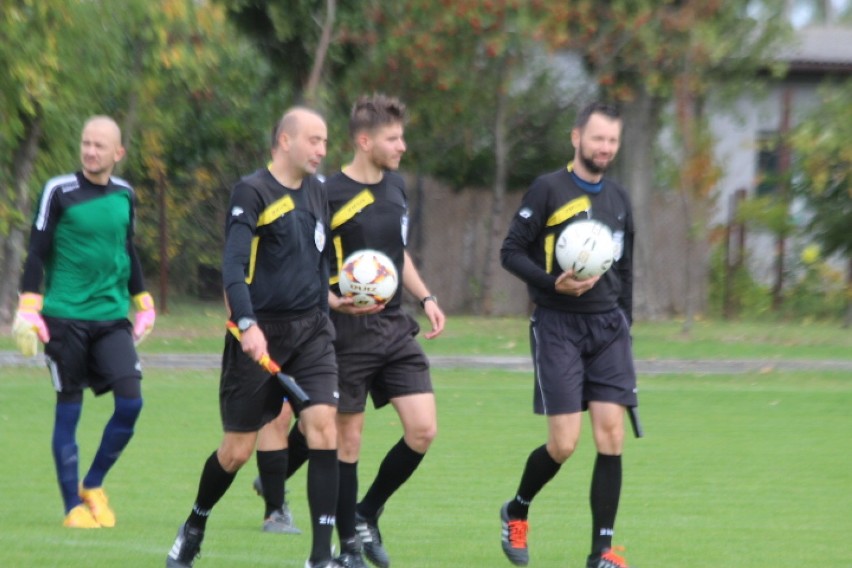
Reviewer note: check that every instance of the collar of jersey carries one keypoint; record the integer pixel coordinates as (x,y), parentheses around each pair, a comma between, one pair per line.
(584,185)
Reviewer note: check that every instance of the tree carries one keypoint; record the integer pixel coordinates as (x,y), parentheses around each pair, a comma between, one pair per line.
(823,175)
(642,54)
(41,98)
(186,91)
(486,106)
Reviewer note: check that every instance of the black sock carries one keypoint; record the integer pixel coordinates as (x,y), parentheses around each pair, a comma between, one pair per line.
(398,465)
(214,483)
(604,495)
(298,447)
(272,467)
(322,500)
(540,469)
(346,499)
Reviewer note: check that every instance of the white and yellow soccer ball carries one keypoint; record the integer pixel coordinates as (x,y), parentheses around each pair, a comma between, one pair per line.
(586,247)
(369,277)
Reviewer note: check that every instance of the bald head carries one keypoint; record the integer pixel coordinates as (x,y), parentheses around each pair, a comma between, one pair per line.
(298,145)
(100,148)
(292,120)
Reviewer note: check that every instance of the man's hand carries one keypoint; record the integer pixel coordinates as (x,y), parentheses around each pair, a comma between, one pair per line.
(29,327)
(143,322)
(436,318)
(253,343)
(568,285)
(345,305)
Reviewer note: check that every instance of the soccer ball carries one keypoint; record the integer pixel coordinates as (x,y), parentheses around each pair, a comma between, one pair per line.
(369,277)
(586,247)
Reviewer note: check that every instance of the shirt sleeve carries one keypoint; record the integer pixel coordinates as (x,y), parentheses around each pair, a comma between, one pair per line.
(524,231)
(625,271)
(136,284)
(240,229)
(41,241)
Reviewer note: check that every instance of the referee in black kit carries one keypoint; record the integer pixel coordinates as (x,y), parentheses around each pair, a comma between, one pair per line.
(275,273)
(579,332)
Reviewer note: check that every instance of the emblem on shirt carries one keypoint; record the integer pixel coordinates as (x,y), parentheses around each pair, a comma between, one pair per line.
(404,228)
(525,213)
(319,236)
(237,211)
(618,244)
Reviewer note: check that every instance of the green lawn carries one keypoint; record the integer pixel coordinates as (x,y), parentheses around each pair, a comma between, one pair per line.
(198,327)
(734,471)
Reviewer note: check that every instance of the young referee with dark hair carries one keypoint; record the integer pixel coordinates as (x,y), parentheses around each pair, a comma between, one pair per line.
(579,331)
(275,271)
(377,352)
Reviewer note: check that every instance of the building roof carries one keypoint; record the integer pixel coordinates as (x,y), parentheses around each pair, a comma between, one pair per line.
(820,49)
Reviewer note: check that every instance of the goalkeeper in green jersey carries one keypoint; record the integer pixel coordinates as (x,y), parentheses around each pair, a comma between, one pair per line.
(81,252)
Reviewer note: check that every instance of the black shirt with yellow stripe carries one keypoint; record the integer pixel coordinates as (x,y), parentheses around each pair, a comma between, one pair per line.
(275,261)
(368,216)
(551,203)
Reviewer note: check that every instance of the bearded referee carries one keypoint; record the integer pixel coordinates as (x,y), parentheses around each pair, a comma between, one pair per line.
(275,274)
(81,249)
(579,332)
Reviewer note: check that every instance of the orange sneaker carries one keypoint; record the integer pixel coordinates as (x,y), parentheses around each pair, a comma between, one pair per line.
(98,503)
(513,537)
(80,518)
(609,558)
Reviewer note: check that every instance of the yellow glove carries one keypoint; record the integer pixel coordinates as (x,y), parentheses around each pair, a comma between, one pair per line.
(29,327)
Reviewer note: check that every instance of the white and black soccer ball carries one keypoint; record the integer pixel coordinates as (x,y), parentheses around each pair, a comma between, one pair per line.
(369,277)
(586,247)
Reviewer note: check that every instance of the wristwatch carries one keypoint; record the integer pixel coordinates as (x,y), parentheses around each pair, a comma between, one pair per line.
(244,323)
(429,298)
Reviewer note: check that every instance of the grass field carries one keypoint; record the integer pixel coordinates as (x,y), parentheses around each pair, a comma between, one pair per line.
(734,472)
(198,327)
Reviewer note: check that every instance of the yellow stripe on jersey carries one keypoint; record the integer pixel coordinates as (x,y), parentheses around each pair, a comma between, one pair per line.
(252,259)
(352,207)
(275,210)
(570,209)
(549,248)
(338,252)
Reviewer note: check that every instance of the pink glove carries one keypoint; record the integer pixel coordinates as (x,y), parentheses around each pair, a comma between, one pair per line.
(29,327)
(143,322)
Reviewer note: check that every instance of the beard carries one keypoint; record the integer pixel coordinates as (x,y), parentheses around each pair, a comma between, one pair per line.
(589,163)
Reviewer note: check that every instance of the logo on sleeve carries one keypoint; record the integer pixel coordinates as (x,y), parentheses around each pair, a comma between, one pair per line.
(237,211)
(319,236)
(525,213)
(404,228)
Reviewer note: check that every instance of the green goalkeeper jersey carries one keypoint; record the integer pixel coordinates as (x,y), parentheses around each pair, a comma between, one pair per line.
(82,237)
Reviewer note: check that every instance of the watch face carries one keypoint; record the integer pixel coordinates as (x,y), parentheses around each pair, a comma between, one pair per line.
(245,323)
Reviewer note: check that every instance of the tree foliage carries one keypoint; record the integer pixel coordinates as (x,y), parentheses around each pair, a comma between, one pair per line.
(823,168)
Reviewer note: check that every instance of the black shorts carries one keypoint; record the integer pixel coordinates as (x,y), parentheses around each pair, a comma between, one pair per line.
(378,354)
(302,345)
(580,358)
(93,354)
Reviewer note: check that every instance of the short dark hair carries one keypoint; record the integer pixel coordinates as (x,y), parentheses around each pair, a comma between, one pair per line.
(373,111)
(596,107)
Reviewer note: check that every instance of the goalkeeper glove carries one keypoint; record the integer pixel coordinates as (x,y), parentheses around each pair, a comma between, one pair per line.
(29,327)
(143,322)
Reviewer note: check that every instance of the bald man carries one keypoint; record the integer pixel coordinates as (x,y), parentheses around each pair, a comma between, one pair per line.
(275,272)
(81,247)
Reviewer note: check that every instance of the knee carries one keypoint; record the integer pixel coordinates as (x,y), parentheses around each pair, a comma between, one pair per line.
(233,458)
(610,441)
(320,428)
(420,437)
(348,443)
(561,450)
(127,410)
